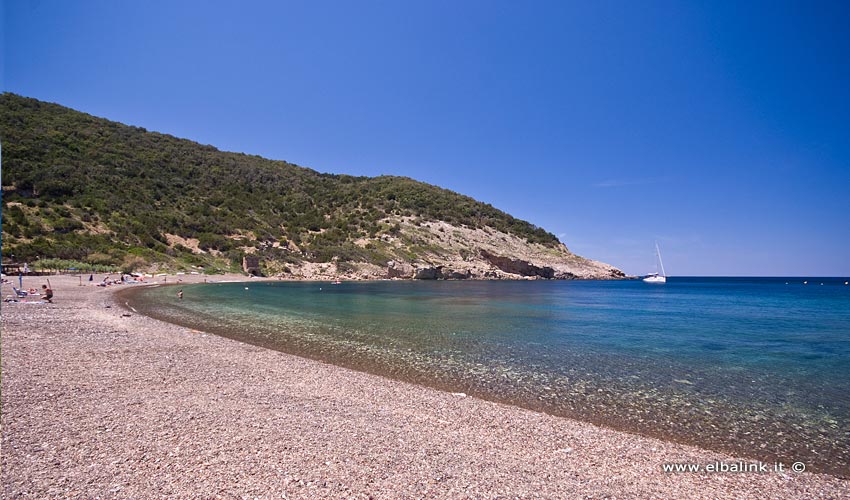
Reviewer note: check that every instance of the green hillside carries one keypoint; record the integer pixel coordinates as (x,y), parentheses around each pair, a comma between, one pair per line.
(84,188)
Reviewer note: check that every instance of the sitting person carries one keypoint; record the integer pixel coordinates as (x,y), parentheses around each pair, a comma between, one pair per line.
(48,293)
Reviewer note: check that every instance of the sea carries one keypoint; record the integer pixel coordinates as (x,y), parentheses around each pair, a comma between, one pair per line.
(758,367)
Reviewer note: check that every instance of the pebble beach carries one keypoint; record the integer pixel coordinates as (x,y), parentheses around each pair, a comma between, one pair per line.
(101,402)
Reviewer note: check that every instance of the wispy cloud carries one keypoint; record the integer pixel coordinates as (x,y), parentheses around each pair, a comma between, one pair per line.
(614,183)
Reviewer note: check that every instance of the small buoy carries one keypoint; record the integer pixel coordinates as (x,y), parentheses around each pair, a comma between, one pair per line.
(246,288)
(805,282)
(845,282)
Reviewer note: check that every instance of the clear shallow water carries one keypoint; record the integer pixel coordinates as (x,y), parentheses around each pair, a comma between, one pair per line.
(748,365)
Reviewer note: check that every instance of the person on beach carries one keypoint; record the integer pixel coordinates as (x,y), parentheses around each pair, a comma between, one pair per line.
(180,294)
(48,293)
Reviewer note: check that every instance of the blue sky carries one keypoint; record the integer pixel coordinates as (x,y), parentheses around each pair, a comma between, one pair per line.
(720,129)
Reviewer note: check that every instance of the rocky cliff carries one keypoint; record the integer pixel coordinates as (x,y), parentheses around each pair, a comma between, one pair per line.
(457,253)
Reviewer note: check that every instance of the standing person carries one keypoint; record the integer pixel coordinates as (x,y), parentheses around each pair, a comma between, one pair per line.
(180,294)
(48,293)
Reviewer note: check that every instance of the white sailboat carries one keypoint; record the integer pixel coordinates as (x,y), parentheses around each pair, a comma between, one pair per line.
(655,277)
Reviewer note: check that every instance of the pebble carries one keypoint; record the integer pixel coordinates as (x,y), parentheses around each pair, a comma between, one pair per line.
(185,416)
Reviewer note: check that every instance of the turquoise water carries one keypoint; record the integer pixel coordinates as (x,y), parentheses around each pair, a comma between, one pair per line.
(752,366)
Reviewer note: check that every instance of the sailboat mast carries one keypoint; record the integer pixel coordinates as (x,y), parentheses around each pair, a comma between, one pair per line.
(658,252)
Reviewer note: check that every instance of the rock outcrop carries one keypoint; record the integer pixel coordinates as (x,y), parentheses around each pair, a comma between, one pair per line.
(428,273)
(451,274)
(518,266)
(447,251)
(436,250)
(396,269)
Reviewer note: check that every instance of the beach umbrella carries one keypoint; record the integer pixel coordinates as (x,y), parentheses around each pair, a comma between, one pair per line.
(21,281)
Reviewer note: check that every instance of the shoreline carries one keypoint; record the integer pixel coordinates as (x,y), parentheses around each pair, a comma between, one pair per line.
(96,402)
(665,417)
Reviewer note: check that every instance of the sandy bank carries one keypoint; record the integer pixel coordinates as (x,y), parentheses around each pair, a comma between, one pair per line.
(96,403)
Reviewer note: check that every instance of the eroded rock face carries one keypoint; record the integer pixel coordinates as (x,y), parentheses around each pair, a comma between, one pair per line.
(428,273)
(436,250)
(397,269)
(517,266)
(565,276)
(450,274)
(442,273)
